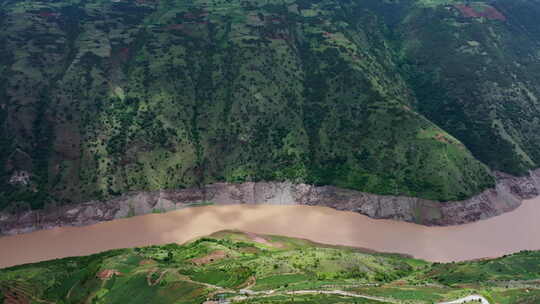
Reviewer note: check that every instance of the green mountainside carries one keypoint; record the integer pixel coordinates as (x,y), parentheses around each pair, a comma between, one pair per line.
(419,98)
(248,268)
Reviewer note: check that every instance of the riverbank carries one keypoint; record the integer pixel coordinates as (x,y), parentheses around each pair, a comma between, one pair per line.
(235,267)
(507,196)
(511,232)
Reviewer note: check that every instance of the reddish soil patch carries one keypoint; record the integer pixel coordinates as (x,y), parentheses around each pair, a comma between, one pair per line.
(259,239)
(440,137)
(124,54)
(107,274)
(47,14)
(398,283)
(147,262)
(212,257)
(273,20)
(488,12)
(175,27)
(14,297)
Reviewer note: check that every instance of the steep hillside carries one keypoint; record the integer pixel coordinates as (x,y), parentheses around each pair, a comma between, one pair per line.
(390,97)
(247,268)
(479,78)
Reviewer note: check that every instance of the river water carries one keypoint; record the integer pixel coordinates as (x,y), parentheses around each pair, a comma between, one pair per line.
(507,233)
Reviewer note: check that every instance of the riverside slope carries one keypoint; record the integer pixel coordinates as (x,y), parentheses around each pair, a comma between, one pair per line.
(508,195)
(415,97)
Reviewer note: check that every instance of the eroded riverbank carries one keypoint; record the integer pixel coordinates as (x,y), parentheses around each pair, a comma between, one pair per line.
(505,197)
(507,233)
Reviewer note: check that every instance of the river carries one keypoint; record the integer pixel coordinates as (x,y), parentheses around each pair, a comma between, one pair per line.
(507,233)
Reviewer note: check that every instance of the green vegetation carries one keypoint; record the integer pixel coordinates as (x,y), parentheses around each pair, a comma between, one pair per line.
(249,268)
(523,266)
(311,299)
(402,97)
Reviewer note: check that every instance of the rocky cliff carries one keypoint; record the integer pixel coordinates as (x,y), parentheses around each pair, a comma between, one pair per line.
(508,195)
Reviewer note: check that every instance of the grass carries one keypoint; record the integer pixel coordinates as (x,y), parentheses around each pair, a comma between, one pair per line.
(166,95)
(523,266)
(169,274)
(280,281)
(407,293)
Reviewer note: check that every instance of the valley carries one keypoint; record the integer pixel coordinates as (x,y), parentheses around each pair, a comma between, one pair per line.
(505,234)
(276,151)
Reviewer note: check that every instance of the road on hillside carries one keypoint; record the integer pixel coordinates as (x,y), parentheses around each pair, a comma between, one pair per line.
(471,298)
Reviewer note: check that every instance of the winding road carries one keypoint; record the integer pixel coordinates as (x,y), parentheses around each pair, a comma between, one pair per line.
(471,298)
(267,293)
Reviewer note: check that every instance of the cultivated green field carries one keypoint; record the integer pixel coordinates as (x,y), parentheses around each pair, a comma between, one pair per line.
(248,268)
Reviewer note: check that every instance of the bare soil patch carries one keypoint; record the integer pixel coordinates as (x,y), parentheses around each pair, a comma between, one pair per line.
(260,239)
(147,262)
(488,12)
(107,274)
(212,257)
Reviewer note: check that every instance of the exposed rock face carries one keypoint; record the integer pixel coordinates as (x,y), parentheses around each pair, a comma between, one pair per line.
(507,196)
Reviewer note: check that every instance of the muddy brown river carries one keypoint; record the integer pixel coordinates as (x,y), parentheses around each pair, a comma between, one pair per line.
(510,232)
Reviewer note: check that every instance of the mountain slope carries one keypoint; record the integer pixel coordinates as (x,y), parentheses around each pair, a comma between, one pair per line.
(478,78)
(99,98)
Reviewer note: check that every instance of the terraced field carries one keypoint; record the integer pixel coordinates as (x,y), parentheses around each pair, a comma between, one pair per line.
(242,267)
